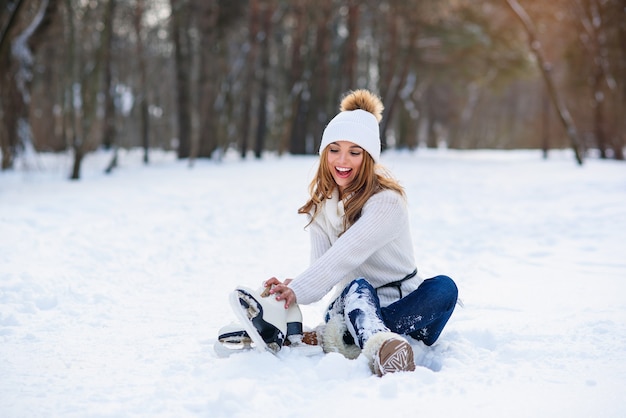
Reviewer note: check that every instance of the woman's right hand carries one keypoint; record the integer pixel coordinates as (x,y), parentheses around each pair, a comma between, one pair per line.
(275,282)
(281,290)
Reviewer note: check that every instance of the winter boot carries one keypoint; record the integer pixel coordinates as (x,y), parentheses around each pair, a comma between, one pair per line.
(389,353)
(263,318)
(335,338)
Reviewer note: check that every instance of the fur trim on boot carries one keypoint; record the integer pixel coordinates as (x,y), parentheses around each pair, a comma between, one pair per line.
(388,352)
(332,339)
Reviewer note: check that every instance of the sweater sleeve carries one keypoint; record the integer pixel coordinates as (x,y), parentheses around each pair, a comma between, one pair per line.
(381,221)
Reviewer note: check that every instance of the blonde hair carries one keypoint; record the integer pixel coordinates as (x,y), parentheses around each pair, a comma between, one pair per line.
(371,179)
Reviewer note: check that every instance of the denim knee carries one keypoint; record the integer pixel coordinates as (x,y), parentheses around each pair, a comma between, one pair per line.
(444,287)
(358,285)
(447,286)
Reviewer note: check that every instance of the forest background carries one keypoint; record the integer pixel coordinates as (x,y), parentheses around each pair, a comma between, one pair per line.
(203,77)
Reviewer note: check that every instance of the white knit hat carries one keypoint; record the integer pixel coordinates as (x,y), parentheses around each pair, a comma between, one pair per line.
(358,126)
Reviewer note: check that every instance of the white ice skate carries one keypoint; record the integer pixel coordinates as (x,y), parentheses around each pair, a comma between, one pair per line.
(278,327)
(262,317)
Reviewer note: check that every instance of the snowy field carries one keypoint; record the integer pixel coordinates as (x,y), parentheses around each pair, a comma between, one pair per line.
(113,288)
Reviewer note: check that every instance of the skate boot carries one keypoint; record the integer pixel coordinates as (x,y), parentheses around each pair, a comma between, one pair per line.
(263,317)
(234,334)
(233,338)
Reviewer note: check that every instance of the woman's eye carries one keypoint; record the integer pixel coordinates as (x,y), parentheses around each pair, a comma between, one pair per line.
(355,153)
(333,150)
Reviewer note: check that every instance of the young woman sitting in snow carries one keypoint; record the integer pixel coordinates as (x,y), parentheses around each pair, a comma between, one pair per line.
(361,244)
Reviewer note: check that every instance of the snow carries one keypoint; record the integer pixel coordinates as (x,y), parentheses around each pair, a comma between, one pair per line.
(113,288)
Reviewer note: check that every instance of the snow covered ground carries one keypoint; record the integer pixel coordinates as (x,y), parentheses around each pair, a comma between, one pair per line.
(112,289)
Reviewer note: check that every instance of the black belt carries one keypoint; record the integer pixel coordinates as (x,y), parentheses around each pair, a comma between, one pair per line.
(398,283)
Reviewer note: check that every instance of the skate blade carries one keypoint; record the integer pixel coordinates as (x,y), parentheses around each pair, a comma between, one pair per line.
(242,315)
(224,350)
(303,349)
(238,338)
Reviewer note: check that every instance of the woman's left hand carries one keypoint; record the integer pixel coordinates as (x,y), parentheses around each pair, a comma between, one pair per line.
(283,292)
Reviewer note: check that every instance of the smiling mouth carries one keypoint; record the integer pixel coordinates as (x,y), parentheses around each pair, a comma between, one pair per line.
(343,172)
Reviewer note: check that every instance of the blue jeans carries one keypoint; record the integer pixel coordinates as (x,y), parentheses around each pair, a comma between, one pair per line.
(422,314)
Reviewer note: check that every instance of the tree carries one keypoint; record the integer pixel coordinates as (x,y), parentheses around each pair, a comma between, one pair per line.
(544,66)
(251,67)
(264,70)
(12,105)
(109,129)
(296,84)
(209,78)
(205,76)
(182,55)
(143,83)
(87,83)
(404,30)
(597,28)
(19,38)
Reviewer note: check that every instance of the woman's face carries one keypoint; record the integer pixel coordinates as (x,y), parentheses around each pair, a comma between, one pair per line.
(344,161)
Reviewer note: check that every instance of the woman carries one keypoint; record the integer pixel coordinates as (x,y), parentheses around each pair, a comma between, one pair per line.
(361,245)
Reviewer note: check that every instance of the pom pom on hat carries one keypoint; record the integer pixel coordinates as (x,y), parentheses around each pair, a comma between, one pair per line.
(357,122)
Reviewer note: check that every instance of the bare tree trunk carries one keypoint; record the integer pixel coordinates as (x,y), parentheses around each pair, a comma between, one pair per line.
(11,105)
(74,92)
(620,139)
(12,108)
(251,66)
(398,53)
(614,69)
(109,131)
(350,47)
(261,132)
(142,88)
(4,32)
(299,128)
(388,49)
(15,82)
(320,97)
(208,80)
(89,84)
(598,112)
(599,77)
(397,81)
(431,134)
(545,122)
(180,25)
(71,91)
(108,135)
(590,17)
(295,130)
(544,67)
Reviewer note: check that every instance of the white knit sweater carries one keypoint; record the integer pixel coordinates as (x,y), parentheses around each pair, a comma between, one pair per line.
(378,247)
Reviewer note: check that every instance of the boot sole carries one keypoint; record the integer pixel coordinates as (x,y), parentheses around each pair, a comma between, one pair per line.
(397,356)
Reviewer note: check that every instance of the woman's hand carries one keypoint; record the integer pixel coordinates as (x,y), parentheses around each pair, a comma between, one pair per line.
(281,290)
